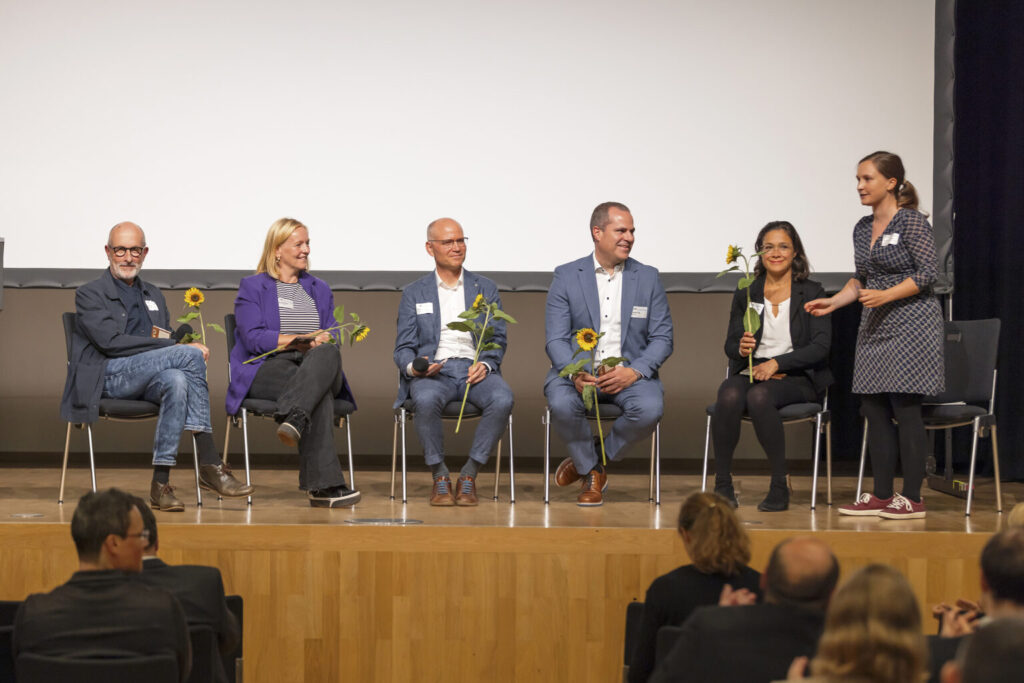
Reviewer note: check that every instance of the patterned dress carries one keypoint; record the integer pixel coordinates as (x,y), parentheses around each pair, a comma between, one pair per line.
(899,345)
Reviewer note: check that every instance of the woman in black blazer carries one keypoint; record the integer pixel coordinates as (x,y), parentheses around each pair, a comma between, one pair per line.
(790,359)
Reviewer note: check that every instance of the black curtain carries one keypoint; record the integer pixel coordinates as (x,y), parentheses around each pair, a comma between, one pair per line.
(988,197)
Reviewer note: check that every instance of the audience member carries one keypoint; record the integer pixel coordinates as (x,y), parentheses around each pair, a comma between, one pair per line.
(994,653)
(1016,516)
(102,611)
(719,550)
(757,643)
(199,589)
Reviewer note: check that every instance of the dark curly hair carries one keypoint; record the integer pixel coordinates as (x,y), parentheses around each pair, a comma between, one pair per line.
(801,267)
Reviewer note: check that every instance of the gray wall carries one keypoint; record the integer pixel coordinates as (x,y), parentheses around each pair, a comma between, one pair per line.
(32,360)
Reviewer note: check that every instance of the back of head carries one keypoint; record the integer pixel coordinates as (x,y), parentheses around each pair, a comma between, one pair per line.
(1002,565)
(994,653)
(98,515)
(717,542)
(891,166)
(277,235)
(148,523)
(873,630)
(801,572)
(1016,516)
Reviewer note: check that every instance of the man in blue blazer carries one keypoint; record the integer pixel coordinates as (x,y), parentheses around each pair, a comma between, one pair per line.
(427,306)
(623,300)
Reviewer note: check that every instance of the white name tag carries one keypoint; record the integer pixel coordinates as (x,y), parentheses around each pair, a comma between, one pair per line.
(285,303)
(639,312)
(425,309)
(894,238)
(151,305)
(757,307)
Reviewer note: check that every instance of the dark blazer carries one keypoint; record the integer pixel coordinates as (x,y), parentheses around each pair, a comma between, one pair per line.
(419,330)
(200,590)
(258,323)
(99,335)
(671,599)
(750,644)
(811,336)
(103,613)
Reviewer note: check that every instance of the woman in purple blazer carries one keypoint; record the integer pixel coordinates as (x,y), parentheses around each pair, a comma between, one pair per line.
(283,307)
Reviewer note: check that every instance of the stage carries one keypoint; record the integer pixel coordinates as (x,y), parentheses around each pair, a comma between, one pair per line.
(522,592)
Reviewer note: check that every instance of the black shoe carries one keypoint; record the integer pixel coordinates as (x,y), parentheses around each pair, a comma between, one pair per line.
(729,493)
(292,428)
(777,499)
(334,497)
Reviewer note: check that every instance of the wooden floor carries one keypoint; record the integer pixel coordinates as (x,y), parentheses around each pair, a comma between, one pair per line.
(500,593)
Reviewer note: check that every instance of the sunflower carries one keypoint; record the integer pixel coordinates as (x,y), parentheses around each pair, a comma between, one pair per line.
(478,301)
(732,254)
(586,338)
(361,333)
(193,297)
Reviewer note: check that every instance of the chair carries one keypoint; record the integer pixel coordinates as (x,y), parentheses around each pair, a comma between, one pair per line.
(667,638)
(8,608)
(792,414)
(233,661)
(609,412)
(971,349)
(448,414)
(634,612)
(33,668)
(115,410)
(6,660)
(263,408)
(205,656)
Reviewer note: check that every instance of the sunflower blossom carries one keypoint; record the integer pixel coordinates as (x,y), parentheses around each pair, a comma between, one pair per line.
(478,301)
(732,254)
(361,333)
(193,297)
(586,338)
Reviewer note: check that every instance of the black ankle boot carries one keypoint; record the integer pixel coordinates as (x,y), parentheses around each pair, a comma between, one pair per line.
(777,499)
(728,492)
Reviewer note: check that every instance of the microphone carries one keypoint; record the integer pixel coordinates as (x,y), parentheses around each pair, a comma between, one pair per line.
(181,332)
(420,364)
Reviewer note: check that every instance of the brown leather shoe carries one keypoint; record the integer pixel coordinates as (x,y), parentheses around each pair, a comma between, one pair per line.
(219,478)
(566,473)
(161,497)
(465,492)
(442,493)
(590,494)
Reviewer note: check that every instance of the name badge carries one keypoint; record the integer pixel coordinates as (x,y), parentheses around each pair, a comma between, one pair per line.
(425,309)
(285,303)
(639,312)
(894,238)
(757,307)
(151,305)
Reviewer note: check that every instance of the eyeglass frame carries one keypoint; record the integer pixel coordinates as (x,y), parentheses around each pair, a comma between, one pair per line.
(125,250)
(144,535)
(448,244)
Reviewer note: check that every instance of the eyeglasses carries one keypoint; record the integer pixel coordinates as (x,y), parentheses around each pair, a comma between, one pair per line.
(144,535)
(120,251)
(448,244)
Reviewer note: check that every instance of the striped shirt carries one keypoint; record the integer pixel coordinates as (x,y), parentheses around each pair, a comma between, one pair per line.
(297,309)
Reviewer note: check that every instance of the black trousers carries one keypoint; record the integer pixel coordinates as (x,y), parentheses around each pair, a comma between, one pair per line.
(761,402)
(308,383)
(888,442)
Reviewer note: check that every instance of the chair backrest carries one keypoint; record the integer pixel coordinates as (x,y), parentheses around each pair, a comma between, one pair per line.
(6,661)
(205,656)
(8,608)
(971,349)
(233,660)
(634,612)
(33,668)
(666,640)
(69,330)
(229,331)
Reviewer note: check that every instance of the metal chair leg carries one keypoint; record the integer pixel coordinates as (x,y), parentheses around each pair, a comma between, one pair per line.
(707,445)
(863,457)
(64,468)
(817,458)
(351,464)
(227,441)
(828,455)
(405,496)
(650,480)
(974,457)
(92,459)
(995,463)
(657,463)
(497,470)
(195,460)
(511,465)
(394,456)
(547,454)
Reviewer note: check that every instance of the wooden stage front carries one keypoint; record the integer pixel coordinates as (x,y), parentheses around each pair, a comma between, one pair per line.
(497,593)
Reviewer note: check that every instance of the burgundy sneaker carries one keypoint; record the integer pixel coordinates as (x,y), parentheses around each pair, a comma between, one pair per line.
(866,506)
(903,508)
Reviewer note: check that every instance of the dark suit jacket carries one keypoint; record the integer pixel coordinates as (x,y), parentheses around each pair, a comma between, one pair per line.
(103,613)
(200,590)
(671,599)
(100,334)
(811,336)
(751,644)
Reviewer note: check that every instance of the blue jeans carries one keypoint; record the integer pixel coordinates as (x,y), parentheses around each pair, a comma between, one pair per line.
(491,395)
(174,377)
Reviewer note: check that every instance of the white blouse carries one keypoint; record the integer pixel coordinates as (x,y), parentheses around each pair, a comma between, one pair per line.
(775,338)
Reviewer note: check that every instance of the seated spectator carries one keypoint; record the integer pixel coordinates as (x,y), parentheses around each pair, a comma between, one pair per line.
(199,589)
(1016,517)
(102,611)
(719,550)
(994,653)
(872,632)
(757,643)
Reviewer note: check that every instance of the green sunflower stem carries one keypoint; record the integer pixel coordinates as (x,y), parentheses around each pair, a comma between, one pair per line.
(476,358)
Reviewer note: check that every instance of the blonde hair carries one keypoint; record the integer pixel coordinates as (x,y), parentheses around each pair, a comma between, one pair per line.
(873,630)
(278,234)
(1016,517)
(717,542)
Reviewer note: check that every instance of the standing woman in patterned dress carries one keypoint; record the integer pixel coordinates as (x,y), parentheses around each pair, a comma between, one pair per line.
(899,344)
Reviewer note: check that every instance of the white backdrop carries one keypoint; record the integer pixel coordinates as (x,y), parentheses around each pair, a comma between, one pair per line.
(205,121)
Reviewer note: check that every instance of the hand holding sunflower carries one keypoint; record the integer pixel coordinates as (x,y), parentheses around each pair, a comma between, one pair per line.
(751,318)
(586,341)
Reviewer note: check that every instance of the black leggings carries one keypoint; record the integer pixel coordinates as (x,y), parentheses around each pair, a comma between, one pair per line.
(761,401)
(887,442)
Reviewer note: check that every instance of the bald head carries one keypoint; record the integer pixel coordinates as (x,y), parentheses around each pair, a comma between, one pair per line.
(442,225)
(446,243)
(801,571)
(126,250)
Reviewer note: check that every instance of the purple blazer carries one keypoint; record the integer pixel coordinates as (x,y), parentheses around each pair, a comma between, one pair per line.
(257,325)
